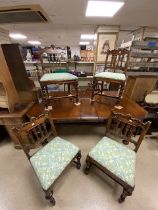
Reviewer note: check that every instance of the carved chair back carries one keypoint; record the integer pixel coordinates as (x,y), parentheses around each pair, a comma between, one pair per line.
(117,60)
(127,128)
(35,133)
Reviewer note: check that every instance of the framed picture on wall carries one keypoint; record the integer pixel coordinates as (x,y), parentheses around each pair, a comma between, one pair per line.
(105,42)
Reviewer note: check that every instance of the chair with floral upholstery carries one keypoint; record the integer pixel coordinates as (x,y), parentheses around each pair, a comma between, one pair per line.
(55,78)
(55,155)
(115,159)
(116,64)
(59,79)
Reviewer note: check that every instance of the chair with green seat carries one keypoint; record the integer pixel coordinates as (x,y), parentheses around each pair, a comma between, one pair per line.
(63,78)
(54,155)
(115,159)
(60,76)
(114,74)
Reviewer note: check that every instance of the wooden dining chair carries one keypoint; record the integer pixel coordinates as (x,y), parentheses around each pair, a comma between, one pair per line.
(54,155)
(58,76)
(115,159)
(116,64)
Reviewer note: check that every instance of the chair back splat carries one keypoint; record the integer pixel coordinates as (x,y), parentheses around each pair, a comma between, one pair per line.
(36,133)
(126,127)
(117,60)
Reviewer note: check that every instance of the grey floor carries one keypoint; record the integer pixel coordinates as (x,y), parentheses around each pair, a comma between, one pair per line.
(20,190)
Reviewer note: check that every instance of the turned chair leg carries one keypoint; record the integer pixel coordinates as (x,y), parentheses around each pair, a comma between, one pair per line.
(122,87)
(102,87)
(93,89)
(124,194)
(77,95)
(49,196)
(69,90)
(88,166)
(77,160)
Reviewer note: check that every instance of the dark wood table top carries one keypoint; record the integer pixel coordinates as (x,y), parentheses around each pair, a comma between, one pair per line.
(65,110)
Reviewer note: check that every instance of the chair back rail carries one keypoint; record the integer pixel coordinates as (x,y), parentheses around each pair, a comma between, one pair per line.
(117,60)
(126,127)
(36,133)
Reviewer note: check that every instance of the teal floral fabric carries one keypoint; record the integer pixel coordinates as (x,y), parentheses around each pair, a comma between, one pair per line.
(51,160)
(58,77)
(117,158)
(112,75)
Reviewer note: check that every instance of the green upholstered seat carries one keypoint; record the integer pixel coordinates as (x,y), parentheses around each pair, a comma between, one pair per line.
(117,158)
(111,75)
(51,160)
(58,77)
(61,71)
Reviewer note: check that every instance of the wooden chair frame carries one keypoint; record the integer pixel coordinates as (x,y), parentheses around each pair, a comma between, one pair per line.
(116,60)
(46,96)
(125,127)
(38,132)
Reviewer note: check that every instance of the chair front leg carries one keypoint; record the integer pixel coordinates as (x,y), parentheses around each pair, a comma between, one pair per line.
(122,86)
(77,160)
(69,90)
(93,89)
(126,192)
(88,166)
(75,84)
(49,196)
(102,87)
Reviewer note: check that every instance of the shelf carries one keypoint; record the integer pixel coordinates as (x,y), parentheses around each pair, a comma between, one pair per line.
(62,62)
(144,55)
(138,73)
(84,62)
(144,64)
(146,45)
(85,78)
(32,62)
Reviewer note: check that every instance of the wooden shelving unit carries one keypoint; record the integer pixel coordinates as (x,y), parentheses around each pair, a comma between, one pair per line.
(143,69)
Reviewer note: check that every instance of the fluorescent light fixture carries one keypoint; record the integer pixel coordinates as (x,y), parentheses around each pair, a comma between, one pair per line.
(17,36)
(34,42)
(87,36)
(103,8)
(84,43)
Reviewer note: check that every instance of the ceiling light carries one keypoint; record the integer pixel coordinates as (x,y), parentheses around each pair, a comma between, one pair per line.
(34,42)
(17,36)
(103,8)
(87,36)
(84,43)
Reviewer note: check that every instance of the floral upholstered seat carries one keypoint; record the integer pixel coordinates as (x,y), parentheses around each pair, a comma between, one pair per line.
(117,158)
(58,77)
(50,161)
(111,75)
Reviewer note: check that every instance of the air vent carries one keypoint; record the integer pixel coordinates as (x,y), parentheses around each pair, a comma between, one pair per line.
(22,14)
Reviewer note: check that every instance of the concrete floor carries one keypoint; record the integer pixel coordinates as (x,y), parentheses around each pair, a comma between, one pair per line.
(20,190)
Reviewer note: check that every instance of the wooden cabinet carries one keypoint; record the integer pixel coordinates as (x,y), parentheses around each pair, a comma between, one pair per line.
(15,87)
(140,83)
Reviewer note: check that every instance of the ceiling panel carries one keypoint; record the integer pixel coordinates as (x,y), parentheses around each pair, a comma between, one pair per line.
(69,21)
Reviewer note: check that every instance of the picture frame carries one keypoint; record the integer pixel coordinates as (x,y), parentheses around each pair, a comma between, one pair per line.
(105,41)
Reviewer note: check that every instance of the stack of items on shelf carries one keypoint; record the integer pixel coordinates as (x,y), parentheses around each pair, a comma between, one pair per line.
(144,56)
(87,53)
(58,54)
